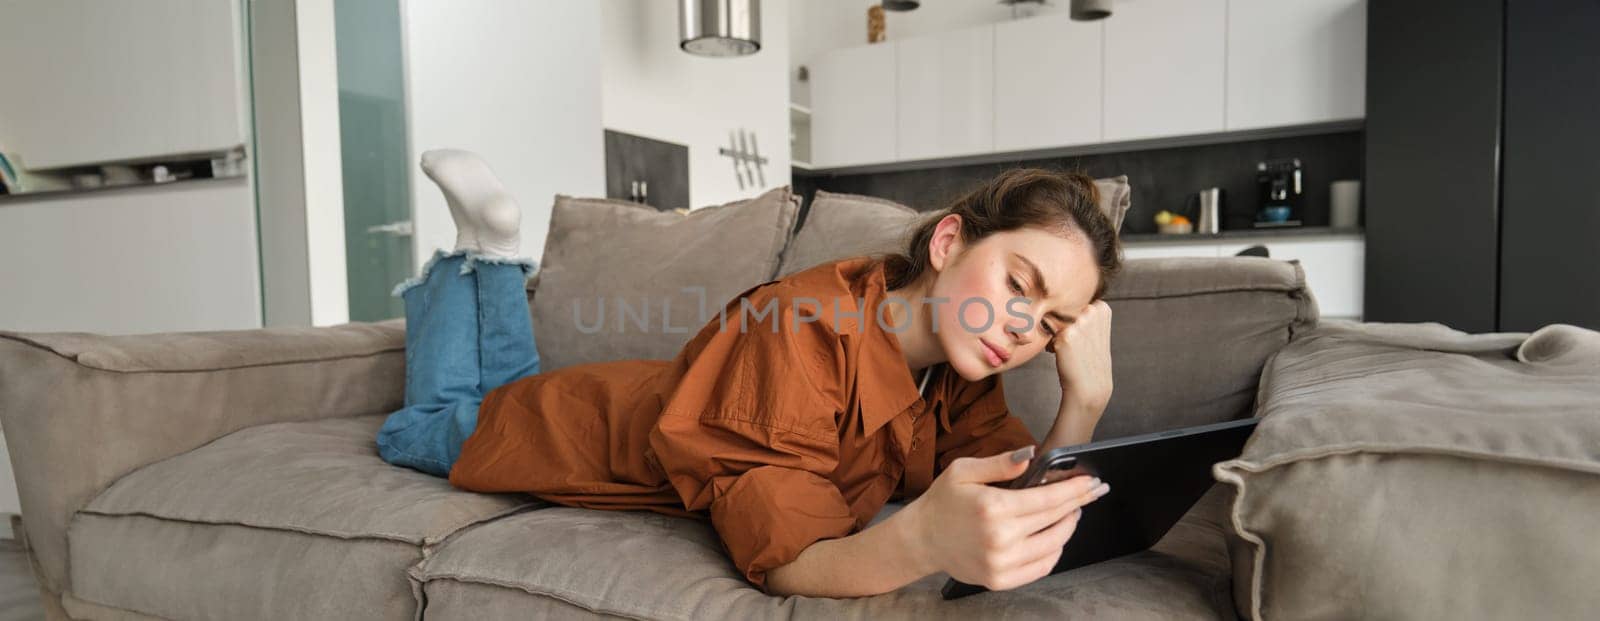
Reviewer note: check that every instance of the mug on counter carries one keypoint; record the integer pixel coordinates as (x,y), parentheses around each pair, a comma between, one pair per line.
(1344,203)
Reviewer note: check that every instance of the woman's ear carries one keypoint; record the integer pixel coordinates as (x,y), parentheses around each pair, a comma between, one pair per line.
(945,245)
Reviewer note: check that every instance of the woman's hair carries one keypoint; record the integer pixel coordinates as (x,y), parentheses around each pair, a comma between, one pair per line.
(1063,203)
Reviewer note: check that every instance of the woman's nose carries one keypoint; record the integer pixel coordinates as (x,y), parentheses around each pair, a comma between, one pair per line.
(1018,327)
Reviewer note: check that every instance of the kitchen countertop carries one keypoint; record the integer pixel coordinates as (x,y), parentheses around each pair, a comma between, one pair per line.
(1269,233)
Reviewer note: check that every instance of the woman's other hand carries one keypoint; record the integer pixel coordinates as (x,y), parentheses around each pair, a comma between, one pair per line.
(1083,361)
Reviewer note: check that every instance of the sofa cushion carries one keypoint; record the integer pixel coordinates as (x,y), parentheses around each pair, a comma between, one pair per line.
(568,563)
(847,225)
(1189,338)
(1418,472)
(603,254)
(288,520)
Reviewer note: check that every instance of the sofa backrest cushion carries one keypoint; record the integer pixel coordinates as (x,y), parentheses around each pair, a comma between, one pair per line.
(847,225)
(611,265)
(1189,338)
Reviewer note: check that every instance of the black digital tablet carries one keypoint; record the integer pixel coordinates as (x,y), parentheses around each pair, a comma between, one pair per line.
(1155,478)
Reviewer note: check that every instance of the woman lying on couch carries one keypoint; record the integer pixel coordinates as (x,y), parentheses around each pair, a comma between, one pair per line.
(808,403)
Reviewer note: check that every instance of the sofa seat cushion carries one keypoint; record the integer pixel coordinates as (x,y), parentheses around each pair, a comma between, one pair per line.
(288,520)
(579,563)
(1416,472)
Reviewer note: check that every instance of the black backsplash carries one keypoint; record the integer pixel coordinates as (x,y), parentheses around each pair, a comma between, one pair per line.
(663,166)
(1161,178)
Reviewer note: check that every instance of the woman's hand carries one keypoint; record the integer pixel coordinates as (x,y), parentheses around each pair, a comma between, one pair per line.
(1083,360)
(994,537)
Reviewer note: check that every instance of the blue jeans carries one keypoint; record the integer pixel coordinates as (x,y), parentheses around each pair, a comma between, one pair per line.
(468,331)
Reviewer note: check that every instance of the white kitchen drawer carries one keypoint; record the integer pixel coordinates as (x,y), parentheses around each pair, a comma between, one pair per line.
(1162,250)
(1334,266)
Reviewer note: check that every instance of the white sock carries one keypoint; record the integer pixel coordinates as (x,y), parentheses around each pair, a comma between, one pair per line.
(487,219)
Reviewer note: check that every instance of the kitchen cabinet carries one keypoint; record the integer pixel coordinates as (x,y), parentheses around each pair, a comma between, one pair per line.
(1334,269)
(1164,68)
(1291,63)
(1156,69)
(1047,74)
(98,82)
(853,107)
(1167,250)
(945,94)
(1334,265)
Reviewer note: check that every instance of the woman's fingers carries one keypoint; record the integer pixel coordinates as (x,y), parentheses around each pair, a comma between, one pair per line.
(1018,502)
(1023,526)
(1053,538)
(1043,553)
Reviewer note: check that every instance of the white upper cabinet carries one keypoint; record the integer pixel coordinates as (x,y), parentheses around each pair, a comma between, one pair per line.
(1154,69)
(946,94)
(1047,82)
(1164,64)
(1296,62)
(853,106)
(94,82)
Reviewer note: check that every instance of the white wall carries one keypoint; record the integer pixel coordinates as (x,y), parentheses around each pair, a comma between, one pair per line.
(817,26)
(516,82)
(297,162)
(654,89)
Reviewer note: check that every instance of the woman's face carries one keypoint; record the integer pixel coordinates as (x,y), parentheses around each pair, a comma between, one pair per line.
(1001,300)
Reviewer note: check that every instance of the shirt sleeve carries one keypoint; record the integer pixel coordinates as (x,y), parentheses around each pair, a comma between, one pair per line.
(751,434)
(981,425)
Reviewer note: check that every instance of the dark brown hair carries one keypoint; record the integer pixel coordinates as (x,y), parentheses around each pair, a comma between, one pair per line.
(1063,203)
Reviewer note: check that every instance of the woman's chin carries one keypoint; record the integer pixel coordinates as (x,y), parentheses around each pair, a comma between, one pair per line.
(971,369)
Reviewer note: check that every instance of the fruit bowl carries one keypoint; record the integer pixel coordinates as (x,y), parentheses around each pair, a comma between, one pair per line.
(1176,228)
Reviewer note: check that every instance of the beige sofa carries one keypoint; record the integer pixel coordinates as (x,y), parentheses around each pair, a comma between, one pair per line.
(233,475)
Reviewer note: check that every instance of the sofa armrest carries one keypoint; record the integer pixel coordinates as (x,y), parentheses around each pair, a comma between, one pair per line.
(79,411)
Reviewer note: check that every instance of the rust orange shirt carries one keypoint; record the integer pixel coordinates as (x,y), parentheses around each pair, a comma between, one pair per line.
(784,433)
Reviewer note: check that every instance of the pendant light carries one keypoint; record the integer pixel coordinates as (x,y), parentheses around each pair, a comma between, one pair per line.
(719,28)
(1079,10)
(1090,10)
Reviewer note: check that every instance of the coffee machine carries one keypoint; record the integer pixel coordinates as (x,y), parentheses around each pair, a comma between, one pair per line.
(1281,188)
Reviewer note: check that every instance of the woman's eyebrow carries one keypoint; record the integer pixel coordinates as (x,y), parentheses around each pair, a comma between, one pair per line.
(1038,279)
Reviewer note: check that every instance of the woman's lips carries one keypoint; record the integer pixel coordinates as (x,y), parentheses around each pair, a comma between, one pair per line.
(995,355)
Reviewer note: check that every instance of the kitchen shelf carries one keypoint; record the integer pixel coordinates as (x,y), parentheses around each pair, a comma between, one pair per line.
(7,199)
(1267,233)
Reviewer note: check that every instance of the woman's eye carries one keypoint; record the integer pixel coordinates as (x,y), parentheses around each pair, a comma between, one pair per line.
(1015,286)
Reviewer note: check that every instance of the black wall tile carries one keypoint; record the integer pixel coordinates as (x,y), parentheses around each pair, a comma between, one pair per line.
(1162,179)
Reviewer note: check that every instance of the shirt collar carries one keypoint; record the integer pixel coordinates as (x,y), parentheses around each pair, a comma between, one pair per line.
(884,383)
